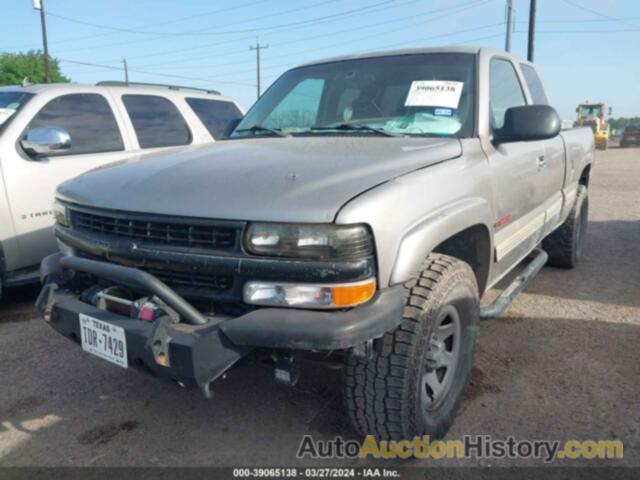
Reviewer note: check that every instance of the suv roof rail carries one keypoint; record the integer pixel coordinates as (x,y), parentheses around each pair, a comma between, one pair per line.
(118,83)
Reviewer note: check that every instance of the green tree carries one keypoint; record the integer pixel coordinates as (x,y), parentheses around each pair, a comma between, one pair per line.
(15,66)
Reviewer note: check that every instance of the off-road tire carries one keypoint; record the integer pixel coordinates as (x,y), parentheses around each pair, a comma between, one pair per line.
(382,394)
(566,244)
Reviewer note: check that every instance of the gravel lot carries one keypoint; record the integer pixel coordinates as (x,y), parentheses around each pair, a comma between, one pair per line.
(562,363)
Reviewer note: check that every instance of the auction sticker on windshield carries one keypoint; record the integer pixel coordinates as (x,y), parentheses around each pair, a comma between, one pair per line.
(434,93)
(104,340)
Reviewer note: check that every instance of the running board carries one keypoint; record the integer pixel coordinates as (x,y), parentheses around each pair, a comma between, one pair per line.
(500,304)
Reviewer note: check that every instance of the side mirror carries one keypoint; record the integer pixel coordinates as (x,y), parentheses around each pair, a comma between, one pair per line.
(529,122)
(46,140)
(231,126)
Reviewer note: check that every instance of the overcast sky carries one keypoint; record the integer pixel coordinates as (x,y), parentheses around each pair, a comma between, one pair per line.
(585,49)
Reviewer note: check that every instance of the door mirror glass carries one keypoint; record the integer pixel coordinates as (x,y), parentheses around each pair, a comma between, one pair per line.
(46,140)
(528,122)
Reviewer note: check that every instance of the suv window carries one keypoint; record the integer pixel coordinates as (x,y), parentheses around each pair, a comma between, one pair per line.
(214,114)
(88,119)
(157,121)
(506,91)
(536,88)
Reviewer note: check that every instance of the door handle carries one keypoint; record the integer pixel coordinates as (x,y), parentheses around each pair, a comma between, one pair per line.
(542,162)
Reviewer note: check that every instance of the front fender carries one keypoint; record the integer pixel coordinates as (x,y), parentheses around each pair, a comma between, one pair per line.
(424,236)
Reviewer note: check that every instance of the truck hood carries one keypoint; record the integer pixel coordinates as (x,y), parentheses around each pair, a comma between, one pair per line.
(299,179)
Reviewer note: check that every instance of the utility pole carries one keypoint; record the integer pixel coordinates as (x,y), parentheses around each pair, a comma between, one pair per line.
(532,30)
(257,48)
(507,45)
(126,71)
(39,5)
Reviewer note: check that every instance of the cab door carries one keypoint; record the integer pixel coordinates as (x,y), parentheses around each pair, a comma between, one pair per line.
(31,181)
(519,193)
(553,166)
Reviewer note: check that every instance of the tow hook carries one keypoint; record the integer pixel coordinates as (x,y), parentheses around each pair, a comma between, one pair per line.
(286,371)
(44,302)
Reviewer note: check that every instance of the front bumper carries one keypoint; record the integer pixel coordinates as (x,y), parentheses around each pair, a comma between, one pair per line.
(200,349)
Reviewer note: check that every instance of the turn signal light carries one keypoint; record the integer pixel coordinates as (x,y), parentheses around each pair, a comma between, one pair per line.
(351,295)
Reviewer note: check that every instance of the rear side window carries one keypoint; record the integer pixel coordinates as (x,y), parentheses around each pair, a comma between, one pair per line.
(214,114)
(157,121)
(506,91)
(536,88)
(88,119)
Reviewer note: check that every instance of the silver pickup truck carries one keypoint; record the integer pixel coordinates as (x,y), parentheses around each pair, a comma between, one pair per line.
(361,208)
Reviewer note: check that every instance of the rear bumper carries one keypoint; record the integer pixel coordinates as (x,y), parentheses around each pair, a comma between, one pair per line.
(202,349)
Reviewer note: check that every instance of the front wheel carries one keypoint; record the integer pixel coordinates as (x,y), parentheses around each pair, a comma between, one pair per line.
(414,385)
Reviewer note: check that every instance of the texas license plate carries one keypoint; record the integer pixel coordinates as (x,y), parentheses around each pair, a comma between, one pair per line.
(103,340)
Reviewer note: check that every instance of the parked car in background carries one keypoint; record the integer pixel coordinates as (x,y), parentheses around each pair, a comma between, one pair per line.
(630,136)
(362,207)
(51,133)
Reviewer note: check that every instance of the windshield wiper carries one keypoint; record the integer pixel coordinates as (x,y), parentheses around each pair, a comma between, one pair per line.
(260,128)
(355,127)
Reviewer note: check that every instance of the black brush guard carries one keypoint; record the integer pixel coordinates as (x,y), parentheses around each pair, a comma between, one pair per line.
(198,348)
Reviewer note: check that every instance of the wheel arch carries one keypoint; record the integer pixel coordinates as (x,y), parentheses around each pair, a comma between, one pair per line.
(585,176)
(462,232)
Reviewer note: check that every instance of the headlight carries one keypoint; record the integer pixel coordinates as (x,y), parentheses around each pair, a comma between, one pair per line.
(311,241)
(61,213)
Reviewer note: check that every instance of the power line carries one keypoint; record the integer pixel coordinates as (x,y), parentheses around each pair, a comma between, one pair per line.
(602,15)
(457,9)
(182,77)
(167,22)
(370,9)
(226,32)
(627,30)
(338,44)
(434,37)
(421,40)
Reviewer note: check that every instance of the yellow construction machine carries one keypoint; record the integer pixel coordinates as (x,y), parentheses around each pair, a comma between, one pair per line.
(592,115)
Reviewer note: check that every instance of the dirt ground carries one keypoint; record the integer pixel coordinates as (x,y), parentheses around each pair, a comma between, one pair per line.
(562,363)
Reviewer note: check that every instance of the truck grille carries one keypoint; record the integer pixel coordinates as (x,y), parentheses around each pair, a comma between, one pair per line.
(192,280)
(156,232)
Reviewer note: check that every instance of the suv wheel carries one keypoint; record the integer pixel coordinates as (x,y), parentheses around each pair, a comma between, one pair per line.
(414,385)
(565,245)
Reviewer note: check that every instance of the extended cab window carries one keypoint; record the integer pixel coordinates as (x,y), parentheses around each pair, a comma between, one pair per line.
(536,88)
(214,114)
(157,121)
(415,94)
(506,91)
(88,119)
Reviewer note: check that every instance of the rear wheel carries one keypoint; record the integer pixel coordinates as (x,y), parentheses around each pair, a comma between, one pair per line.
(414,385)
(566,244)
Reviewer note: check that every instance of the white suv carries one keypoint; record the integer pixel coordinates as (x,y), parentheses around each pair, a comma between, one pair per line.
(51,133)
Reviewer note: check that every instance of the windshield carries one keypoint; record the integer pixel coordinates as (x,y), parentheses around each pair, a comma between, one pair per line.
(10,103)
(420,94)
(590,111)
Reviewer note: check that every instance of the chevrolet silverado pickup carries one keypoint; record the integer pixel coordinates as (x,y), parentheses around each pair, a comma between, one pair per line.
(361,208)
